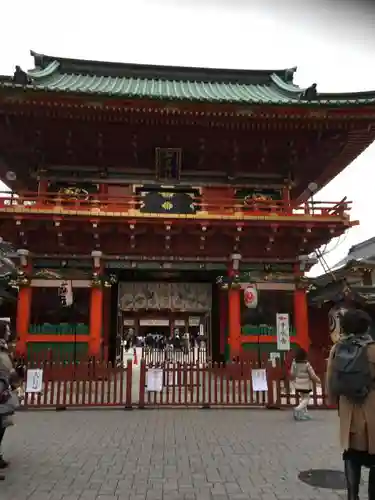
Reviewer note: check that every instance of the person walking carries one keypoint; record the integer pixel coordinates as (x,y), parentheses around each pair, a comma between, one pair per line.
(350,384)
(303,374)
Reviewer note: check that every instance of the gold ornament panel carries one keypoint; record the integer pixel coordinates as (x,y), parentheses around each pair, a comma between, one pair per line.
(135,296)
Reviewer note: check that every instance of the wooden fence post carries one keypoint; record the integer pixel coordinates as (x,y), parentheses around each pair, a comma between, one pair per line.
(129,385)
(142,384)
(271,404)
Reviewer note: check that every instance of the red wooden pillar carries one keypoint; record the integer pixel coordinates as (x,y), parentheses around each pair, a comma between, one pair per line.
(286,199)
(234,311)
(223,304)
(103,192)
(234,322)
(96,320)
(301,316)
(106,320)
(23,307)
(43,186)
(96,311)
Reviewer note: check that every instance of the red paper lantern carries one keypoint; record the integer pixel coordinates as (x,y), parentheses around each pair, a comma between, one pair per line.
(251,296)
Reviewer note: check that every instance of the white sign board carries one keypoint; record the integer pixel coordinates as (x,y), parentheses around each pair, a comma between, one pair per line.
(34,380)
(283,332)
(154,380)
(259,380)
(154,322)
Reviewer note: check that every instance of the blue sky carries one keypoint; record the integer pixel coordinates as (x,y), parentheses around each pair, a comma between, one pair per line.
(330,42)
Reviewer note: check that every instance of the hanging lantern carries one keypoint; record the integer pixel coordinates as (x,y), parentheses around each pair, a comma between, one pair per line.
(251,296)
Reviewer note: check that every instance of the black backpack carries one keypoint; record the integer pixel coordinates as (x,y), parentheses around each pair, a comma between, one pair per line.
(351,374)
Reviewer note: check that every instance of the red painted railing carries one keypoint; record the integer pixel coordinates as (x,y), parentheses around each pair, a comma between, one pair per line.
(83,384)
(105,205)
(198,385)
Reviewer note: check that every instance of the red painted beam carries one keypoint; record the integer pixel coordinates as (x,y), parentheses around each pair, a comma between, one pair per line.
(261,339)
(57,338)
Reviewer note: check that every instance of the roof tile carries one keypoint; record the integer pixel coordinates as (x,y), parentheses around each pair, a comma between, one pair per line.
(168,83)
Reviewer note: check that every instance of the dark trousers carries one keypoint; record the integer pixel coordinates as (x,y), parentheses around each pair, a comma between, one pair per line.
(2,432)
(353,480)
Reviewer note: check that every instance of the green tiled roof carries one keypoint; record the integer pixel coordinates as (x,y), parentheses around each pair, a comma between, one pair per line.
(174,83)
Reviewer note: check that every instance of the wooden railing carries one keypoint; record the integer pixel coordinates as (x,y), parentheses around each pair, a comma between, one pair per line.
(33,202)
(201,385)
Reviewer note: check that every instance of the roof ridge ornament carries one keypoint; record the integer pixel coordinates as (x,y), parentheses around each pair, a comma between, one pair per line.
(309,94)
(289,74)
(20,77)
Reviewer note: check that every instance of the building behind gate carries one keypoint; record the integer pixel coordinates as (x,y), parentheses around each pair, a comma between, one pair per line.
(168,198)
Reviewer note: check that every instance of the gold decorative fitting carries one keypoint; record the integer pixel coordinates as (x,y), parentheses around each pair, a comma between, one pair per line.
(99,281)
(20,281)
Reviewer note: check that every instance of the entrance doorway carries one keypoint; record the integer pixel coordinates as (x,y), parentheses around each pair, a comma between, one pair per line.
(169,309)
(155,331)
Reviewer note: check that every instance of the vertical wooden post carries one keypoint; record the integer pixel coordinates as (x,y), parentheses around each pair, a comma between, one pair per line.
(23,307)
(234,322)
(301,317)
(96,310)
(106,320)
(96,321)
(234,310)
(103,191)
(223,305)
(286,200)
(42,186)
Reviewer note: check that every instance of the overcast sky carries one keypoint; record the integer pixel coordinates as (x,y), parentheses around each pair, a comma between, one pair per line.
(332,43)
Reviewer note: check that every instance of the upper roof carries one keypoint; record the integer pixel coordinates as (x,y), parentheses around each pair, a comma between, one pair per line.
(77,76)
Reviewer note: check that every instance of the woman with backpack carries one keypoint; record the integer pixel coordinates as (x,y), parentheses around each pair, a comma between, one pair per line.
(303,374)
(350,384)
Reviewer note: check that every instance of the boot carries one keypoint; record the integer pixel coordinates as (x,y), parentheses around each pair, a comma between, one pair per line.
(297,414)
(3,463)
(353,478)
(305,415)
(371,484)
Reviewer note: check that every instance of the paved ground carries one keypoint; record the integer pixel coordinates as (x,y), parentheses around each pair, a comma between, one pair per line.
(167,454)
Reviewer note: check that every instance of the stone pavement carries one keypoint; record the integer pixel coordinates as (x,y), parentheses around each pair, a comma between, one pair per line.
(168,454)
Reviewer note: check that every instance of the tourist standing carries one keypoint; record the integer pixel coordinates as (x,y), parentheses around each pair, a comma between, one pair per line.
(303,375)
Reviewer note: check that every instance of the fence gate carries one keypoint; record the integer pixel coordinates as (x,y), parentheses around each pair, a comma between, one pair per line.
(84,384)
(203,385)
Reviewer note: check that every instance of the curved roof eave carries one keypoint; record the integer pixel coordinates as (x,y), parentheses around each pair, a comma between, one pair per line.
(42,61)
(37,73)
